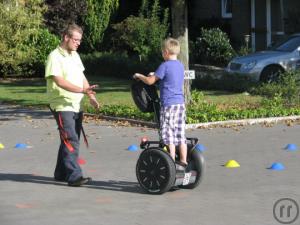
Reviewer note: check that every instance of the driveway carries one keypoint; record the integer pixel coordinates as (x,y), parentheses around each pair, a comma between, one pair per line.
(235,196)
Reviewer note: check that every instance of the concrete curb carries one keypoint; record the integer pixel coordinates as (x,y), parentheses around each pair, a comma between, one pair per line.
(205,125)
(132,121)
(242,122)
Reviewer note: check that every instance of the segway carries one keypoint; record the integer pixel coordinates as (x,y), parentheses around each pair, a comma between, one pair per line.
(156,171)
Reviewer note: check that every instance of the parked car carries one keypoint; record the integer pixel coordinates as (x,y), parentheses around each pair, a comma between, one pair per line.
(266,65)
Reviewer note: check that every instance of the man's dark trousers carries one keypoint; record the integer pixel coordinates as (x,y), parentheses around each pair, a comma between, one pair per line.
(69,125)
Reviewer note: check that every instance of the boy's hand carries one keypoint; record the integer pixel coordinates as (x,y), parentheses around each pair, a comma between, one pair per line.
(149,80)
(137,75)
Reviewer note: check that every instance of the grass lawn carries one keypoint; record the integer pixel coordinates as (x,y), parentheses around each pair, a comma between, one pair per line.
(33,91)
(112,91)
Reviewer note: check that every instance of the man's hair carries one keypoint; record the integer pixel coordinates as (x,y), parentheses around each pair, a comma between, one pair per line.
(171,45)
(70,28)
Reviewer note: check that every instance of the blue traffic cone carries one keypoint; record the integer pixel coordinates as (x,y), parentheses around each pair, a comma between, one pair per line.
(200,147)
(20,145)
(132,148)
(277,166)
(291,147)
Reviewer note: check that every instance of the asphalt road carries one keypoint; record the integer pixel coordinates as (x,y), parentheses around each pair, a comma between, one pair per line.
(236,196)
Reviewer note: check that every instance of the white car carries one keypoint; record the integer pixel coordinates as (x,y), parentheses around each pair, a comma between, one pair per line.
(266,65)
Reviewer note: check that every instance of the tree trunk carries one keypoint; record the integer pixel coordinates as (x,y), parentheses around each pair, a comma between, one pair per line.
(180,32)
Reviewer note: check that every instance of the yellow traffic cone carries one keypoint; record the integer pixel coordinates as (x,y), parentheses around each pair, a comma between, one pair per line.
(232,164)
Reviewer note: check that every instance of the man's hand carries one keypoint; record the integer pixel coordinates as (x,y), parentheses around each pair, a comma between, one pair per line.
(90,90)
(94,102)
(92,95)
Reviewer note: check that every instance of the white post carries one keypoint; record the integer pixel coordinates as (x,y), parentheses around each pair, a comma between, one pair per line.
(268,22)
(253,25)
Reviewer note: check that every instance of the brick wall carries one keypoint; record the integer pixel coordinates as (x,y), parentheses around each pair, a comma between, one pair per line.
(205,70)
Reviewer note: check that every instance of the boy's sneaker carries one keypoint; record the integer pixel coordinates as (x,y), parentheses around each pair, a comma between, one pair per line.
(180,166)
(80,181)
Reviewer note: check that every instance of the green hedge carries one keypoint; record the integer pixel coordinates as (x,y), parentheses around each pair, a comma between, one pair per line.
(115,65)
(227,82)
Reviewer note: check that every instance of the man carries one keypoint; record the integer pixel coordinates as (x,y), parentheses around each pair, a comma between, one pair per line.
(66,86)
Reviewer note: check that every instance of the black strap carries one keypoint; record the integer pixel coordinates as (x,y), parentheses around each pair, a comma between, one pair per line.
(60,131)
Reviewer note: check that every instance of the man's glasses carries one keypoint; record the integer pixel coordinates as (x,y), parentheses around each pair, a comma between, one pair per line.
(76,40)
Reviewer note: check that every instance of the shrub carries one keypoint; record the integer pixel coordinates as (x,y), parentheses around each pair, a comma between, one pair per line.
(19,21)
(96,21)
(143,34)
(213,47)
(42,43)
(227,82)
(115,64)
(62,12)
(244,50)
(287,87)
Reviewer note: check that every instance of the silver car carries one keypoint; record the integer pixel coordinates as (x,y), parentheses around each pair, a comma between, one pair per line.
(267,65)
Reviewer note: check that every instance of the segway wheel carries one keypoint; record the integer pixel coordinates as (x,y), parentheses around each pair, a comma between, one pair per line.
(155,171)
(196,163)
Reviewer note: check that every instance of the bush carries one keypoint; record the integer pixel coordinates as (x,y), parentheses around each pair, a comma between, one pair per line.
(142,35)
(244,50)
(115,65)
(62,12)
(18,23)
(227,82)
(96,21)
(42,43)
(287,87)
(213,47)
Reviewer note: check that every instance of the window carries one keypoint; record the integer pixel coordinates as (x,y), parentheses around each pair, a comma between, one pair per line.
(226,8)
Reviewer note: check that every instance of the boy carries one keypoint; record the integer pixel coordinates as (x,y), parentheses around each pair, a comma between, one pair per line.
(172,113)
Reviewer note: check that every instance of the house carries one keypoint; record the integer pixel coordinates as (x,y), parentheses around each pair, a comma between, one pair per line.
(257,23)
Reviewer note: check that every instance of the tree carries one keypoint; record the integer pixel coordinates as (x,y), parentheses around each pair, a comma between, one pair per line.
(180,31)
(19,22)
(97,20)
(143,34)
(62,12)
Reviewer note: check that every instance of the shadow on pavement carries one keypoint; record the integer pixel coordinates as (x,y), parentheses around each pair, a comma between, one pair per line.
(111,185)
(9,112)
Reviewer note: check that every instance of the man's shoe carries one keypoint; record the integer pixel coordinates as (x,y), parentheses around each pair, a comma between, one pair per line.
(60,179)
(80,181)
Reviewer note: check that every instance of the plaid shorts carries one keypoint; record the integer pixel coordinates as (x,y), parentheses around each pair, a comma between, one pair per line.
(172,124)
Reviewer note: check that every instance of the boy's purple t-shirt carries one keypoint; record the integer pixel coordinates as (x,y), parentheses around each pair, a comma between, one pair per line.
(171,75)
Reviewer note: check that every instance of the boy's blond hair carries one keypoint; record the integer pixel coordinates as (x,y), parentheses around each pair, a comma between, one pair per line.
(171,45)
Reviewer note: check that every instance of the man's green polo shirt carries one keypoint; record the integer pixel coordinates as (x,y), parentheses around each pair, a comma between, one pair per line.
(69,66)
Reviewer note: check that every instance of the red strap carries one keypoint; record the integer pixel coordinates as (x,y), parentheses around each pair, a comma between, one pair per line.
(63,134)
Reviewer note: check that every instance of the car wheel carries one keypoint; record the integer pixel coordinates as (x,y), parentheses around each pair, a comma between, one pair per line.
(270,74)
